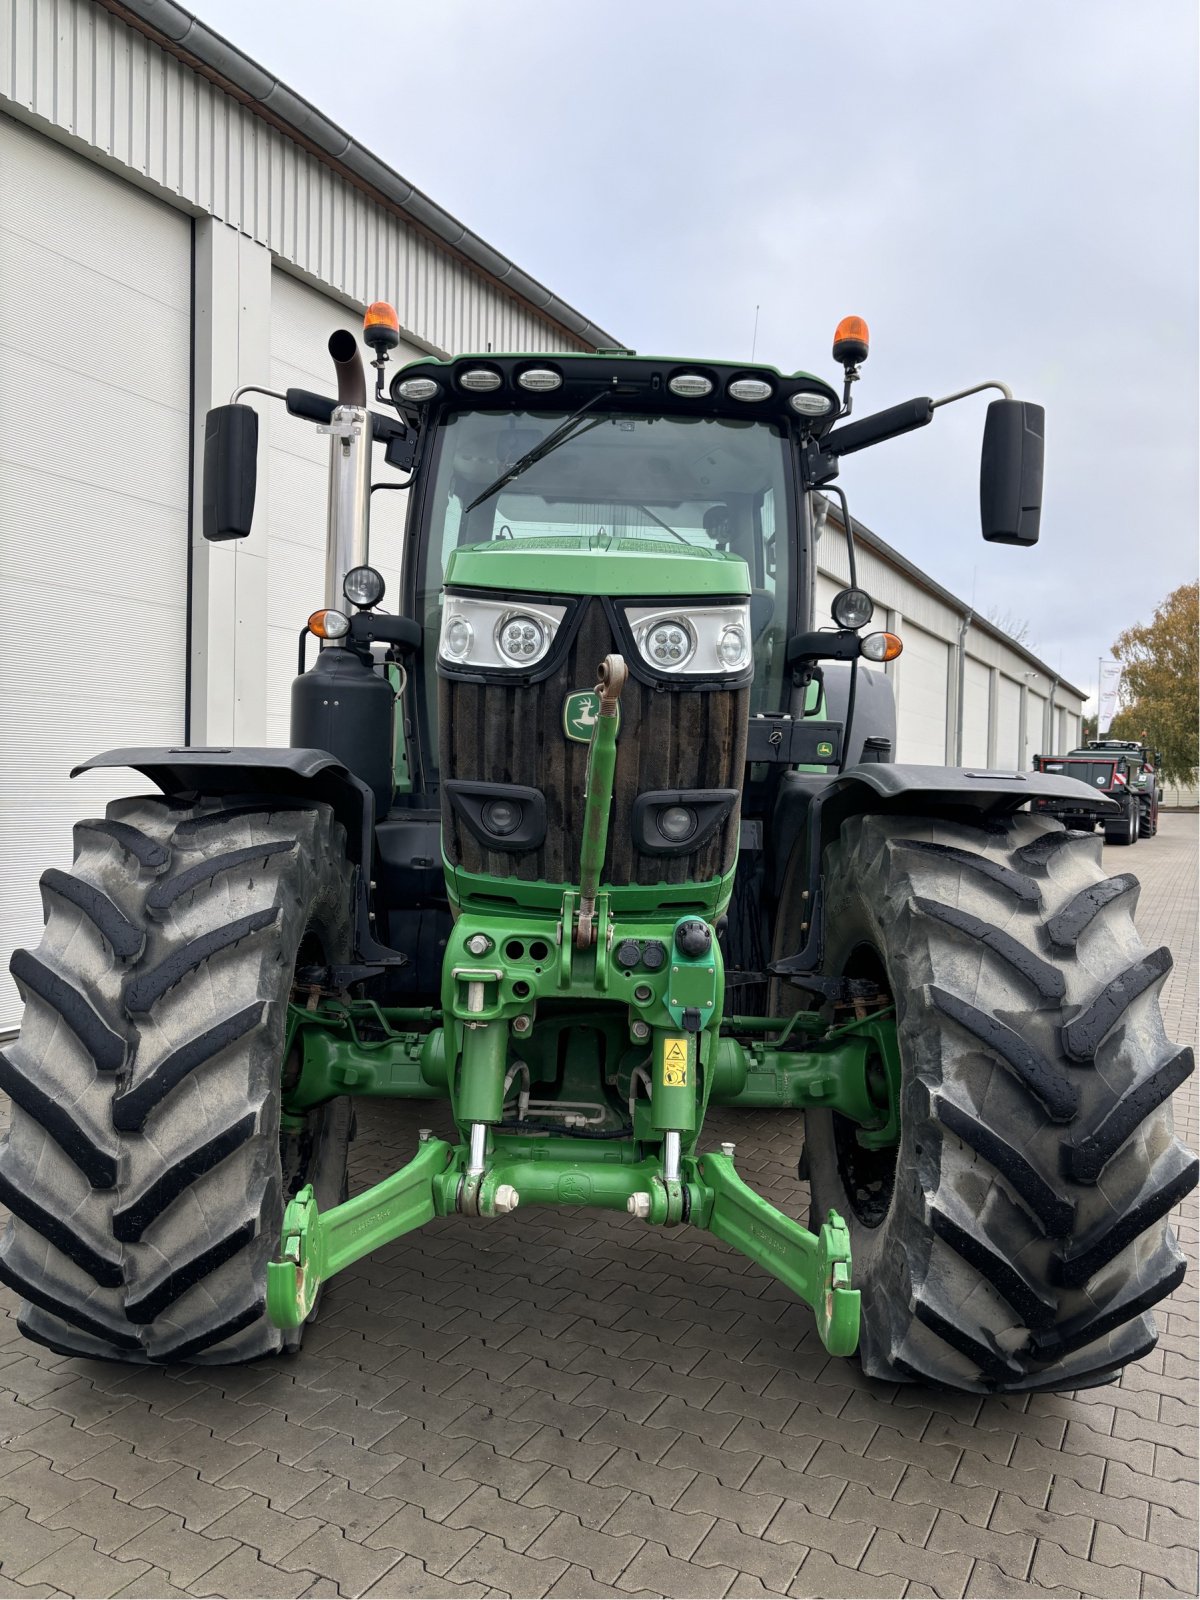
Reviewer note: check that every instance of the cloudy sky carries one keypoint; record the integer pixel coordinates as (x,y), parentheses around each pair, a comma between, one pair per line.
(1001,190)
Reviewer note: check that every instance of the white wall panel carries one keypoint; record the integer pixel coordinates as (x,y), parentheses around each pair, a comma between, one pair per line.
(976,682)
(922,687)
(93,77)
(94,526)
(1008,724)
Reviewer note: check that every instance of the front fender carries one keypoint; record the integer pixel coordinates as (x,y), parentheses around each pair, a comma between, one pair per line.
(812,808)
(270,772)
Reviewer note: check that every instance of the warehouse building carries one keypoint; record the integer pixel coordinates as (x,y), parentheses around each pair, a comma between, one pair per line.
(176,223)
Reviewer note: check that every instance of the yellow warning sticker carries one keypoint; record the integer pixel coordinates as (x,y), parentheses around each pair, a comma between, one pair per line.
(675,1063)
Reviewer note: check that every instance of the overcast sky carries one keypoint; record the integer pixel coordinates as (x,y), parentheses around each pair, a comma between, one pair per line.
(1001,189)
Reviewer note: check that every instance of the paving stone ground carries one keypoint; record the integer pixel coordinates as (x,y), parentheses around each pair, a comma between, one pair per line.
(568,1404)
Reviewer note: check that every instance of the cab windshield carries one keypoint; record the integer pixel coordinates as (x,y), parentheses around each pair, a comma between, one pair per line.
(711,483)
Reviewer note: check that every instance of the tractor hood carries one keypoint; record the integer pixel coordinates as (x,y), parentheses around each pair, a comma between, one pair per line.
(600,564)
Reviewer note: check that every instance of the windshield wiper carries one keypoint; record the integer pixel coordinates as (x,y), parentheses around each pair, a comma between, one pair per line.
(674,532)
(549,443)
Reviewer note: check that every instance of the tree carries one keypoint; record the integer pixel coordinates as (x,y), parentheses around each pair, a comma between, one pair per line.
(1090,728)
(1160,691)
(1017,628)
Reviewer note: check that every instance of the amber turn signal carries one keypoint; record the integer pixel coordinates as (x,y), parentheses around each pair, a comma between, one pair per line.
(329,624)
(881,646)
(851,342)
(381,327)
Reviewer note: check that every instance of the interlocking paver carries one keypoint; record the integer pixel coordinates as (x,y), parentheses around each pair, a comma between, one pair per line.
(508,1401)
(187,1495)
(660,1483)
(107,1521)
(490,1562)
(821,1576)
(185,1556)
(604,1554)
(749,1511)
(654,1568)
(79,1568)
(24,1541)
(154,1584)
(242,1573)
(437,1544)
(1052,1567)
(680,1531)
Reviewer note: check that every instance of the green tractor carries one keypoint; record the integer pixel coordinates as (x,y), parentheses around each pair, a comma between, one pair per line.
(594,831)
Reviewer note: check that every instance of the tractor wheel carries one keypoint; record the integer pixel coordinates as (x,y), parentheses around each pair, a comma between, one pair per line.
(1016,1237)
(1124,829)
(145,1168)
(1148,823)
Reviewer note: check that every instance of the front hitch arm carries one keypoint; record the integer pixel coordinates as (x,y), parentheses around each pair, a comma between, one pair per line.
(817,1269)
(315,1247)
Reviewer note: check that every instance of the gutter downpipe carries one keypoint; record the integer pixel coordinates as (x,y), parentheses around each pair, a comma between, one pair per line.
(964,626)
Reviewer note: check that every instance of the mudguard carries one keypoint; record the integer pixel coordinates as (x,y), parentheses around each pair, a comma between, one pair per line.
(812,807)
(255,771)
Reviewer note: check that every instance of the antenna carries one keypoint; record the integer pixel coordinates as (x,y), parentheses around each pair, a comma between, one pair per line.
(754,341)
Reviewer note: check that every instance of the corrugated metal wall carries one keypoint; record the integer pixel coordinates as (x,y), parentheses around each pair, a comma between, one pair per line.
(93,77)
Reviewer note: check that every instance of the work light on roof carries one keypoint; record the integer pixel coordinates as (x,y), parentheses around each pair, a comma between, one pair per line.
(810,404)
(480,380)
(541,380)
(419,389)
(690,385)
(753,389)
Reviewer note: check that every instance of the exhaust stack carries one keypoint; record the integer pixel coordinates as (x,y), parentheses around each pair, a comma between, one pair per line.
(347,541)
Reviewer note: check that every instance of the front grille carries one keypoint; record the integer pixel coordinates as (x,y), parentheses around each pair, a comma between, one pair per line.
(669,739)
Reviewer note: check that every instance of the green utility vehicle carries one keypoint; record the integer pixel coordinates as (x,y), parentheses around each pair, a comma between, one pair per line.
(1123,770)
(594,831)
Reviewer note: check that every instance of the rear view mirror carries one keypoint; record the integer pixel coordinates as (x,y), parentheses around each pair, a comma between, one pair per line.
(1010,477)
(230,471)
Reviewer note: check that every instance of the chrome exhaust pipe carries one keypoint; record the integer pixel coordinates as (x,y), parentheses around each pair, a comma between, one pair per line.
(347,540)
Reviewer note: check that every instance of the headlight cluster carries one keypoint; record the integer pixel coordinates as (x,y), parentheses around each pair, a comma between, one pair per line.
(515,634)
(497,633)
(703,640)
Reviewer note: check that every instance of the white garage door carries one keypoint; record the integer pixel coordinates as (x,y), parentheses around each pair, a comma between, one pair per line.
(976,686)
(1008,724)
(1035,729)
(95,310)
(298,471)
(922,685)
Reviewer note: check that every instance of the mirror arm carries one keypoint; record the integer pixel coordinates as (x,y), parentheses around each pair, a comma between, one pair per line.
(978,388)
(255,388)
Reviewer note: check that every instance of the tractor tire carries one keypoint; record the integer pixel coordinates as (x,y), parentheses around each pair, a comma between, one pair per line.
(1148,822)
(1124,829)
(1016,1238)
(145,1169)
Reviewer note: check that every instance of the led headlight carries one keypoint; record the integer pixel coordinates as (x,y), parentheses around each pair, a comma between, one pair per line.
(363,586)
(690,385)
(480,380)
(706,641)
(852,608)
(541,380)
(418,389)
(497,634)
(521,639)
(750,389)
(810,404)
(670,643)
